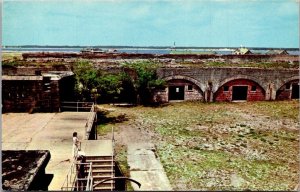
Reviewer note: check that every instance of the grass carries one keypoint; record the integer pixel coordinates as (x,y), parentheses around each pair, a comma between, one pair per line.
(11,55)
(121,158)
(224,146)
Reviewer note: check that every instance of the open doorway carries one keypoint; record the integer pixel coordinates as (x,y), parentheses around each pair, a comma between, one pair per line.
(239,93)
(176,93)
(295,91)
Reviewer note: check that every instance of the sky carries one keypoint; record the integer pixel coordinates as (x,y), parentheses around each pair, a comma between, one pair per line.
(201,23)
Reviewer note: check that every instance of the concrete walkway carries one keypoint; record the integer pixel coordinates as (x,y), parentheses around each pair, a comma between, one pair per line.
(146,168)
(45,131)
(97,147)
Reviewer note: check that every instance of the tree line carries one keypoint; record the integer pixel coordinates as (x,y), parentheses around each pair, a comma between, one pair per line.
(135,83)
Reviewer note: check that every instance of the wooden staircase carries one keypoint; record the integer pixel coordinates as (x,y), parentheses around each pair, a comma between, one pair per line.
(102,168)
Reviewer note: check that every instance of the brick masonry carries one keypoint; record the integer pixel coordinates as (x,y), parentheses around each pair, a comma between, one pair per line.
(224,93)
(25,89)
(211,81)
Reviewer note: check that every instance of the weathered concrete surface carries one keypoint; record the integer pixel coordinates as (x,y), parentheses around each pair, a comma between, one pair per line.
(45,131)
(97,147)
(146,168)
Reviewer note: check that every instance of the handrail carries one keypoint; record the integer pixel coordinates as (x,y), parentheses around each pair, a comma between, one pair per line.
(77,102)
(91,116)
(112,156)
(75,105)
(89,184)
(115,178)
(68,180)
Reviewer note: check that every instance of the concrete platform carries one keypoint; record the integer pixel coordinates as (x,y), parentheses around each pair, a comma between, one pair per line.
(45,131)
(97,147)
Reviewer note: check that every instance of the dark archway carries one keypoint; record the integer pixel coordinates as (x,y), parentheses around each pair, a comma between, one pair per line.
(290,90)
(239,93)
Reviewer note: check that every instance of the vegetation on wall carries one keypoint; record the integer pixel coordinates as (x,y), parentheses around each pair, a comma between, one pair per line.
(134,85)
(145,79)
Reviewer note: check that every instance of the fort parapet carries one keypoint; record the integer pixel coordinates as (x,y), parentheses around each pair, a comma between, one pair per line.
(43,87)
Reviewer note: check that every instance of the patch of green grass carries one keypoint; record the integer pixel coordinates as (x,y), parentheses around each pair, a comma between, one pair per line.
(108,121)
(276,109)
(121,158)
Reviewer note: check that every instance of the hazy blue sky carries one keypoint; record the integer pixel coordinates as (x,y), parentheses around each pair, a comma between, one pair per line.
(226,23)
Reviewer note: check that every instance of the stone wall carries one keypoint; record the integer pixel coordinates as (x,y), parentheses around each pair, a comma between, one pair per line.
(31,93)
(30,96)
(210,80)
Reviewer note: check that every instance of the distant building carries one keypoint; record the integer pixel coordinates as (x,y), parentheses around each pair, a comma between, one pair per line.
(92,50)
(193,52)
(242,51)
(277,52)
(112,51)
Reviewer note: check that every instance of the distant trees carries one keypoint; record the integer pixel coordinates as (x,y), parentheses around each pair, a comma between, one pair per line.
(135,84)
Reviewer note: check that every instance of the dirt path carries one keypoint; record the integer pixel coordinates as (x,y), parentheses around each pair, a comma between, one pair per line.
(144,164)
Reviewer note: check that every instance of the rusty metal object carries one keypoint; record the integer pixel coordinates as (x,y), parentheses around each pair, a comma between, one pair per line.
(115,178)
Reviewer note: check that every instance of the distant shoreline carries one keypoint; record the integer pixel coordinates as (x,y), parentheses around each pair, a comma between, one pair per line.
(139,47)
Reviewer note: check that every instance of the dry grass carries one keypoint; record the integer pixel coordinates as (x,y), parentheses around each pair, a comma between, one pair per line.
(224,146)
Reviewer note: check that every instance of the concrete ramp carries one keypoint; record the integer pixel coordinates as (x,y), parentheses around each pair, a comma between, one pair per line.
(146,168)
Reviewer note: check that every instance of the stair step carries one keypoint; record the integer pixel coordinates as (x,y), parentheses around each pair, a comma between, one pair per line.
(100,167)
(105,185)
(99,157)
(103,188)
(106,182)
(100,178)
(98,160)
(102,171)
(102,174)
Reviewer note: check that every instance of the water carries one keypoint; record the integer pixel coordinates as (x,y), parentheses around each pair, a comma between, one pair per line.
(139,50)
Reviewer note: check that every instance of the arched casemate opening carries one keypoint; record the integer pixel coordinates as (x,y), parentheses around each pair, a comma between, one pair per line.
(180,88)
(240,90)
(289,90)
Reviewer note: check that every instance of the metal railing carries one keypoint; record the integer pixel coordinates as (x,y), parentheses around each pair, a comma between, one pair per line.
(84,183)
(112,158)
(70,179)
(79,106)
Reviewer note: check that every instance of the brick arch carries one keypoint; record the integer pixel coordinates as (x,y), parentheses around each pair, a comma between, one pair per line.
(294,78)
(180,77)
(258,94)
(283,93)
(240,77)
